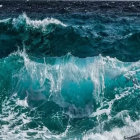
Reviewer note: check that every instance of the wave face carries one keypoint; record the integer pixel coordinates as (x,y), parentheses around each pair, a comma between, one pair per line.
(76,78)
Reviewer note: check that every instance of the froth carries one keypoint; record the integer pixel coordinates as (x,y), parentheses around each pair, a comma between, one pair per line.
(17,22)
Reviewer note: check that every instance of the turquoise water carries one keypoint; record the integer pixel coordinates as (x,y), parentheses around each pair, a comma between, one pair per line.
(69,77)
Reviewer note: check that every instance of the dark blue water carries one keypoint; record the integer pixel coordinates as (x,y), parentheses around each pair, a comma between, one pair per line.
(69,73)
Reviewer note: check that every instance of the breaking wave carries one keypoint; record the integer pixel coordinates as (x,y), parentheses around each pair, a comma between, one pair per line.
(93,89)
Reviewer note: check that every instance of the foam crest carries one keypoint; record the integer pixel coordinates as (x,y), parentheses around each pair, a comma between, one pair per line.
(24,19)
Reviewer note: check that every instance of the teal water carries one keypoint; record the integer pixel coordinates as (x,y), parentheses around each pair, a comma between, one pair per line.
(69,77)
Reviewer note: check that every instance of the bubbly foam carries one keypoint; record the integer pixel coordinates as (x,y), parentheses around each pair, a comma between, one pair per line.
(17,22)
(131,129)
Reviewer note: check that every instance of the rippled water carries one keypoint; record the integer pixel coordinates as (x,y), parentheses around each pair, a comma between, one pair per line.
(70,77)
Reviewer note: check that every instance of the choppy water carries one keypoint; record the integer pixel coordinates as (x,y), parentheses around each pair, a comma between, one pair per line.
(70,77)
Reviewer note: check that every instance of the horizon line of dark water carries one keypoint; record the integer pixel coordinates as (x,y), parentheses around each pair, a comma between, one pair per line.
(42,8)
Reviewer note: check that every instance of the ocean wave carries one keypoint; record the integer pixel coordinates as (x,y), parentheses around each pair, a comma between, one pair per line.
(91,79)
(51,37)
(94,89)
(48,37)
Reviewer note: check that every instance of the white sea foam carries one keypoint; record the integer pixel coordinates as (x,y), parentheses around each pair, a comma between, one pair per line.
(44,22)
(131,129)
(24,19)
(22,102)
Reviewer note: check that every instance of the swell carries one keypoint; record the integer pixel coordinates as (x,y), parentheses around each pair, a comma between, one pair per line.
(51,37)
